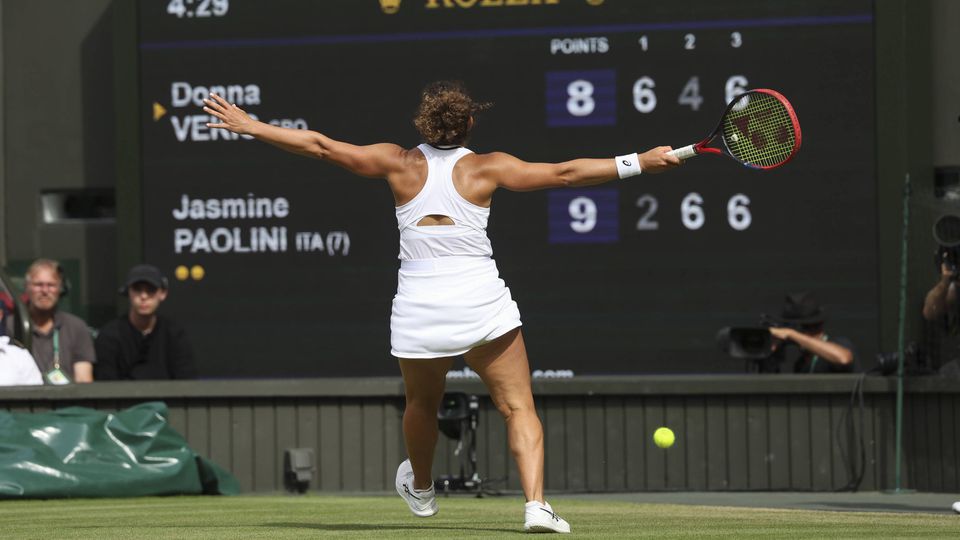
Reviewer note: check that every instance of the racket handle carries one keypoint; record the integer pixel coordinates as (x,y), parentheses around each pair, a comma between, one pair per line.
(686,152)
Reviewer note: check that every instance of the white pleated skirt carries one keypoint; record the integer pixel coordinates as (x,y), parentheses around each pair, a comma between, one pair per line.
(449,305)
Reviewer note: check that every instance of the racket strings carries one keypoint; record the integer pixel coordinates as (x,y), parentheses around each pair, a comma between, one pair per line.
(761,133)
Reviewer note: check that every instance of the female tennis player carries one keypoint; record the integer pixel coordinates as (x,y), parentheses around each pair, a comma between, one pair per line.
(450,299)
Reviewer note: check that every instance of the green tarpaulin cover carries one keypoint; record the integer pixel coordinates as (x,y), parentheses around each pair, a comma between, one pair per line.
(81,452)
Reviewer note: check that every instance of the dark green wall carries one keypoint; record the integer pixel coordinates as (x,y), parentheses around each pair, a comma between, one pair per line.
(760,432)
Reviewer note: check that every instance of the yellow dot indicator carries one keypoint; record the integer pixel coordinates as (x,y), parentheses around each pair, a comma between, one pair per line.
(197,272)
(182,273)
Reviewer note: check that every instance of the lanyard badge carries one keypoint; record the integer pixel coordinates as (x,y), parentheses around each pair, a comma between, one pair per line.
(56,376)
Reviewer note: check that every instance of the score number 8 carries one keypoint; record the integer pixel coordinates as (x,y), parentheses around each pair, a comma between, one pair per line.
(580,102)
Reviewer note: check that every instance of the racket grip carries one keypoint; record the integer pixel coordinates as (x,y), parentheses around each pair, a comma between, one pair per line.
(686,152)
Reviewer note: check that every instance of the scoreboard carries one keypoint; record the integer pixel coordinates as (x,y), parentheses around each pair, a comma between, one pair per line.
(284,266)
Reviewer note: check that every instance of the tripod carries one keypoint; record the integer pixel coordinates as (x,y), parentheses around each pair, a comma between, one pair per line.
(457,417)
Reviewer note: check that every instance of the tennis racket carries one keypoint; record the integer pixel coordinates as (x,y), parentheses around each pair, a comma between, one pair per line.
(758,129)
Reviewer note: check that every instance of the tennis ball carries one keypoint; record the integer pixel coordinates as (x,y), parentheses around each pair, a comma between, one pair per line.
(182,273)
(197,272)
(663,437)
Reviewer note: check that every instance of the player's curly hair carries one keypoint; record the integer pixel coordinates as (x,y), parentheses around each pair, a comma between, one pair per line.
(443,117)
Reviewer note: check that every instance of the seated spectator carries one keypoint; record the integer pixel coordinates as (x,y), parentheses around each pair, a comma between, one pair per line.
(142,344)
(17,367)
(802,323)
(61,345)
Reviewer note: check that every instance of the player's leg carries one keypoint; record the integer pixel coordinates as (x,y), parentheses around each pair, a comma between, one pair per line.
(423,381)
(502,365)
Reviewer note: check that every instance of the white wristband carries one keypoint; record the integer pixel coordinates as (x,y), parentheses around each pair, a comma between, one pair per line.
(628,165)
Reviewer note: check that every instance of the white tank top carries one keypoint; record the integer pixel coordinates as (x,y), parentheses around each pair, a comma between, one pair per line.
(466,237)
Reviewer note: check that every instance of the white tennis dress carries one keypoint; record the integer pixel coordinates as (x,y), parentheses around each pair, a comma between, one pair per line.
(450,297)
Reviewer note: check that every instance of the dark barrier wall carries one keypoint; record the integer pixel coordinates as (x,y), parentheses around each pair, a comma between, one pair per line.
(733,432)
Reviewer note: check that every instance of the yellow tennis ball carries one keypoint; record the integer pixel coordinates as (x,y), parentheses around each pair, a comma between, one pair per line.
(197,272)
(182,273)
(663,437)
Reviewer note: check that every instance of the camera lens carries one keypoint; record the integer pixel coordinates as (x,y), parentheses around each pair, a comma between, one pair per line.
(946,231)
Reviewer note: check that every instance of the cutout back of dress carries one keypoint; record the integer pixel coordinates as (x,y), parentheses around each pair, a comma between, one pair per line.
(466,236)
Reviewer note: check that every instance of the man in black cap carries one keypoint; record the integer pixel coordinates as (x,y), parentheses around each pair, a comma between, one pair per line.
(802,323)
(142,344)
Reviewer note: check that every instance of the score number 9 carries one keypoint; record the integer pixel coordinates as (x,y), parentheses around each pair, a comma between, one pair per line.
(583,212)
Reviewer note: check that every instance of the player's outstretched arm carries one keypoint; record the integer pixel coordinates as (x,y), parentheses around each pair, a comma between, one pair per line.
(518,175)
(374,161)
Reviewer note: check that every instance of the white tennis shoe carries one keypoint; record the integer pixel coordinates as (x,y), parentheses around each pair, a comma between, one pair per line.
(956,507)
(421,503)
(538,517)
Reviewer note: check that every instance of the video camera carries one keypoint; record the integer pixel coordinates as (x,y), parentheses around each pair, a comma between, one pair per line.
(752,342)
(746,342)
(914,361)
(946,232)
(755,344)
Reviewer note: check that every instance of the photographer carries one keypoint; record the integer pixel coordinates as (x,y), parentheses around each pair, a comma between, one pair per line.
(941,300)
(802,323)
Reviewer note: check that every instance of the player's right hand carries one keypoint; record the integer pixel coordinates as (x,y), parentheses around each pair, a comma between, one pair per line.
(657,160)
(232,118)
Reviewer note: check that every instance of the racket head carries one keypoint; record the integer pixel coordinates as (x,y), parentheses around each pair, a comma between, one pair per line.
(759,129)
